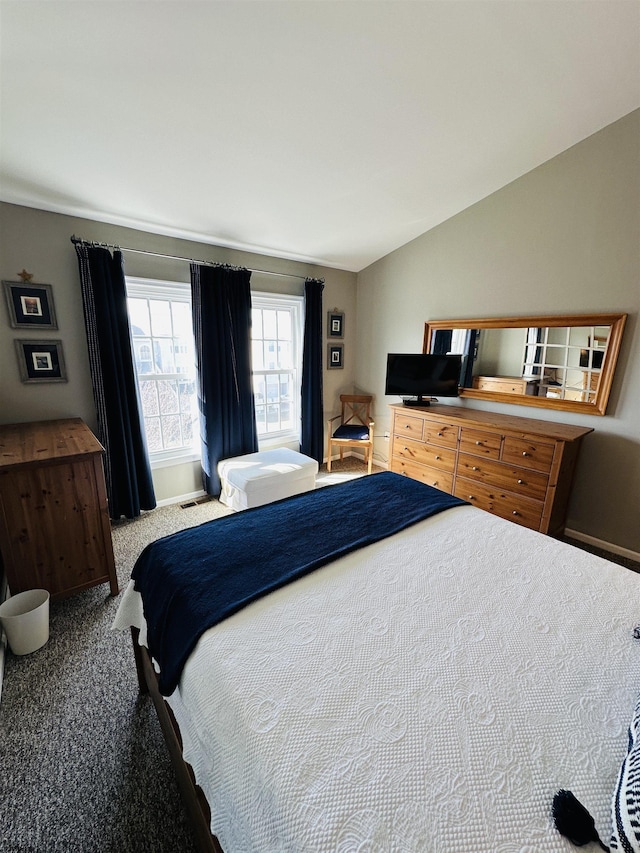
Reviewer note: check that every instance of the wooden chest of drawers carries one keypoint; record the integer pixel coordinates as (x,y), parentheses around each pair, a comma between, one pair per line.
(55,532)
(518,468)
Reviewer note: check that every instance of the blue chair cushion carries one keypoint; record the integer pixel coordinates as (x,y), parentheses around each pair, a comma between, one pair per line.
(358,432)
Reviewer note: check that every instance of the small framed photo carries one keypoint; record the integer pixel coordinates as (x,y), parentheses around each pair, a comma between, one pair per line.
(335,324)
(40,361)
(335,360)
(30,305)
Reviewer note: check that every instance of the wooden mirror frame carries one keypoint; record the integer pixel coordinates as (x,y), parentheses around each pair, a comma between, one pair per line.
(597,407)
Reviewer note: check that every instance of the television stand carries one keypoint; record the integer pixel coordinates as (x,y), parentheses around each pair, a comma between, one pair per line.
(419,401)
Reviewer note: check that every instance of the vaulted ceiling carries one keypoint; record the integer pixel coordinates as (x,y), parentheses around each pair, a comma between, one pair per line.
(326,131)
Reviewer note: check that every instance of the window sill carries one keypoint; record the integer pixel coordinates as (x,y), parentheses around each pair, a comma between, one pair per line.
(164,460)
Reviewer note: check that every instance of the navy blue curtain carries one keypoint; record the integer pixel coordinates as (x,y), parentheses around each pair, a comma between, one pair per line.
(221,302)
(115,388)
(470,355)
(442,341)
(312,443)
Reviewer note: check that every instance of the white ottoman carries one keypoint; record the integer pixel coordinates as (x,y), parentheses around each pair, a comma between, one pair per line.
(260,478)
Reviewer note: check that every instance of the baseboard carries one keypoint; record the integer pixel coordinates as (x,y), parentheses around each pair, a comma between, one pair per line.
(600,543)
(181,499)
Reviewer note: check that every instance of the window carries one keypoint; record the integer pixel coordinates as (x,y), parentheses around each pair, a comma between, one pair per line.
(163,348)
(164,356)
(277,365)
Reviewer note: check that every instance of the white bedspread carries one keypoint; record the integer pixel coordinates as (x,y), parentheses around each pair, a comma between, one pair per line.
(428,693)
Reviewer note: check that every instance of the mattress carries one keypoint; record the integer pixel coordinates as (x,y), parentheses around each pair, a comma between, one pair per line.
(430,692)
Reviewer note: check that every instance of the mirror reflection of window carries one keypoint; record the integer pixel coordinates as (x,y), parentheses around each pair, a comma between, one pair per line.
(558,355)
(459,341)
(551,359)
(572,361)
(579,336)
(532,367)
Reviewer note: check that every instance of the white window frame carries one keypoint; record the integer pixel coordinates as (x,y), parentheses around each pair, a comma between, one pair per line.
(278,301)
(176,291)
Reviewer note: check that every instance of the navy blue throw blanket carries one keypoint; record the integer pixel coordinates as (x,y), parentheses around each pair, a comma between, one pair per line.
(193,579)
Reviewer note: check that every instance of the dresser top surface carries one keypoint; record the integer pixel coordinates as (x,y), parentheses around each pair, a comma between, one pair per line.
(484,420)
(45,441)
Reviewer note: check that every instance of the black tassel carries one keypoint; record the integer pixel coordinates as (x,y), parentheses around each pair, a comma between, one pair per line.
(573,821)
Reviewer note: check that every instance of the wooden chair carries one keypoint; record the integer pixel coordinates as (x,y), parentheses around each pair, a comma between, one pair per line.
(355,428)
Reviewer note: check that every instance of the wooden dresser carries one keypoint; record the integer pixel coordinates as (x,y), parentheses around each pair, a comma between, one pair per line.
(55,532)
(517,468)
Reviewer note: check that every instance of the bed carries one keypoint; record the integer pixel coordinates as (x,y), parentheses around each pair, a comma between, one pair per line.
(429,690)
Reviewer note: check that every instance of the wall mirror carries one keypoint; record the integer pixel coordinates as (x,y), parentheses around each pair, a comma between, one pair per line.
(561,362)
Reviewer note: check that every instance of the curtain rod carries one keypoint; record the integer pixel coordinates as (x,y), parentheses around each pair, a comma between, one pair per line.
(75,240)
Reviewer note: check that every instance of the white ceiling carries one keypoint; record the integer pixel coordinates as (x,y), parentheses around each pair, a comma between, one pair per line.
(330,131)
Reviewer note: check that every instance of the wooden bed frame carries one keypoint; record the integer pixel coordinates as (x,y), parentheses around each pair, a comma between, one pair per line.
(198,812)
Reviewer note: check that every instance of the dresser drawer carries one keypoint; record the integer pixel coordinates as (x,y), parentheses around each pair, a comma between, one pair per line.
(445,435)
(531,484)
(528,454)
(406,425)
(524,511)
(424,454)
(480,443)
(431,476)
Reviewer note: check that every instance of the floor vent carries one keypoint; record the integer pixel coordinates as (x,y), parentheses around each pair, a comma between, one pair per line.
(203,500)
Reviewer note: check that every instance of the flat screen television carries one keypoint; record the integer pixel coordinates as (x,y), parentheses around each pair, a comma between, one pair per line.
(422,376)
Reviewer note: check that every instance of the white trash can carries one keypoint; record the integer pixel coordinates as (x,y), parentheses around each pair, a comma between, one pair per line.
(25,618)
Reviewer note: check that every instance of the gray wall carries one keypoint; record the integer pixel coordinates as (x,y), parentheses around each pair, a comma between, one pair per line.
(39,242)
(565,238)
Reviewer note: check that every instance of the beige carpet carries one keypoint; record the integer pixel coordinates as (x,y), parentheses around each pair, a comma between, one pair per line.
(131,536)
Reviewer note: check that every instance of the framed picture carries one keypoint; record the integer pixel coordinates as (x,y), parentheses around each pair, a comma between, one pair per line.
(30,305)
(335,324)
(41,361)
(335,360)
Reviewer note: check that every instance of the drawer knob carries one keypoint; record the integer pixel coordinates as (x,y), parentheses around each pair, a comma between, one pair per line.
(436,456)
(479,443)
(520,482)
(440,434)
(515,512)
(474,468)
(471,497)
(524,453)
